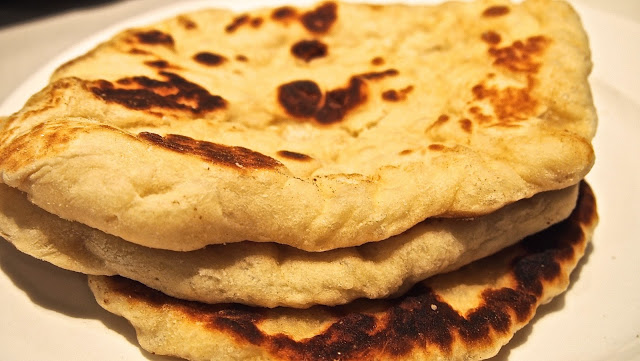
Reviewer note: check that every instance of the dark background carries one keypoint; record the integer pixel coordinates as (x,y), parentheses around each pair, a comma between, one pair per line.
(12,12)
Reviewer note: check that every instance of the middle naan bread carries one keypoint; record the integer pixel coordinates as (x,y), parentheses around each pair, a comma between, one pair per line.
(215,127)
(269,274)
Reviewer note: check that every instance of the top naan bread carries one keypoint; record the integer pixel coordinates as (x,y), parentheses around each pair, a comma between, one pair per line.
(319,128)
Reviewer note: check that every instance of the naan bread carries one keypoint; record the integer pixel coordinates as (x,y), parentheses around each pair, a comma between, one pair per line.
(269,274)
(317,128)
(464,315)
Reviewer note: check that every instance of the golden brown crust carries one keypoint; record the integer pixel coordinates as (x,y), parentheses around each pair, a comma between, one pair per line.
(464,315)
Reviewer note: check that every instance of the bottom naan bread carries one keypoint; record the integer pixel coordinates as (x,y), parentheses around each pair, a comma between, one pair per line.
(467,314)
(270,275)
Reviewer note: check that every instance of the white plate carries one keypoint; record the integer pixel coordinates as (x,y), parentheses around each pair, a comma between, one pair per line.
(49,314)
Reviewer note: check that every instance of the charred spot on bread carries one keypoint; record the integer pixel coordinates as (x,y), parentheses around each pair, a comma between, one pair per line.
(155,37)
(495,11)
(377,61)
(491,37)
(174,92)
(236,23)
(320,19)
(209,58)
(393,95)
(308,50)
(304,99)
(294,155)
(233,156)
(284,13)
(300,98)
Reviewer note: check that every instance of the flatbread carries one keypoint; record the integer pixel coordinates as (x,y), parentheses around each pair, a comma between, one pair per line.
(318,128)
(464,315)
(269,274)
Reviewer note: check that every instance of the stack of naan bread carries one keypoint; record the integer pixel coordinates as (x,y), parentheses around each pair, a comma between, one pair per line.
(337,182)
